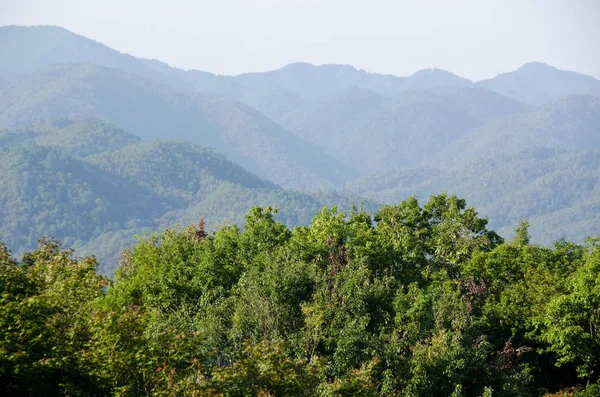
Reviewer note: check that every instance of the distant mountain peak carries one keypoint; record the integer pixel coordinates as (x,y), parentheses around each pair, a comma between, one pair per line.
(536,64)
(427,71)
(537,82)
(308,65)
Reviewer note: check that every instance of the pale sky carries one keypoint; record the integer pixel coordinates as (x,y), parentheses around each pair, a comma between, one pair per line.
(473,38)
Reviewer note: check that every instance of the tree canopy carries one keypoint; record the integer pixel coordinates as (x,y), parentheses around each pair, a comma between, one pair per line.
(419,300)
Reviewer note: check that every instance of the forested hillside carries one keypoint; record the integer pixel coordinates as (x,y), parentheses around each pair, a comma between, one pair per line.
(46,192)
(373,133)
(572,122)
(150,111)
(124,187)
(191,144)
(419,300)
(78,137)
(557,190)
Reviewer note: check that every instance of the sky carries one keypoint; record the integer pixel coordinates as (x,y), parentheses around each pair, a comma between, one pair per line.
(476,39)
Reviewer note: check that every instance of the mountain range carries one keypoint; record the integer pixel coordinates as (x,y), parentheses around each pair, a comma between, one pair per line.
(96,145)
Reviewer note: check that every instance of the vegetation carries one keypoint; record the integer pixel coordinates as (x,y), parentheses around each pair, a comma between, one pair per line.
(406,130)
(153,111)
(73,136)
(557,190)
(307,128)
(417,301)
(45,191)
(126,187)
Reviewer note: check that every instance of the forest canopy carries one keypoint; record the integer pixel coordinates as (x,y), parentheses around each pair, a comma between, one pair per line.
(418,300)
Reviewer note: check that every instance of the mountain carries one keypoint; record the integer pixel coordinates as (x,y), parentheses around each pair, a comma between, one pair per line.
(324,82)
(76,137)
(26,49)
(536,83)
(550,187)
(99,203)
(175,170)
(434,77)
(372,133)
(571,122)
(45,192)
(154,111)
(87,133)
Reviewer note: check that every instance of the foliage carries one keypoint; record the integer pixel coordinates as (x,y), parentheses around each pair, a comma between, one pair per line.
(419,301)
(100,202)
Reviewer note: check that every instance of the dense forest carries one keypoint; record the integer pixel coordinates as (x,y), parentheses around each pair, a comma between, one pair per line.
(80,123)
(419,300)
(271,289)
(95,187)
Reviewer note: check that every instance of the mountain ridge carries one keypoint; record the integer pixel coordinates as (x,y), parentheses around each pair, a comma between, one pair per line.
(78,48)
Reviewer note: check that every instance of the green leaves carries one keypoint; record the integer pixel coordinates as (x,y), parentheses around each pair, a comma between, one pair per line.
(45,306)
(416,302)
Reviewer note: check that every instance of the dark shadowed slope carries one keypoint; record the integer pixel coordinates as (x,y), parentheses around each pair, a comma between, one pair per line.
(102,201)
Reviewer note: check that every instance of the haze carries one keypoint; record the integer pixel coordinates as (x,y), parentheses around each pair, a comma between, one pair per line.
(471,38)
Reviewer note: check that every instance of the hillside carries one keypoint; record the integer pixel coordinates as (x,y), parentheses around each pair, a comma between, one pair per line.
(76,137)
(373,133)
(101,202)
(175,170)
(192,144)
(548,187)
(153,111)
(45,192)
(536,83)
(571,122)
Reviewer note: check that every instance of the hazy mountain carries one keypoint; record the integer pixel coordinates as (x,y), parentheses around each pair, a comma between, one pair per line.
(481,103)
(30,48)
(372,133)
(152,111)
(102,201)
(326,81)
(429,78)
(519,145)
(76,137)
(25,49)
(277,103)
(175,170)
(549,187)
(536,83)
(572,122)
(313,82)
